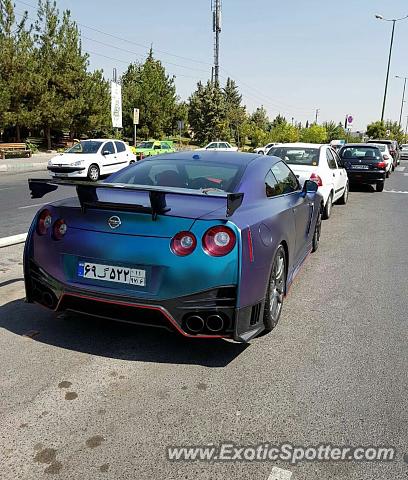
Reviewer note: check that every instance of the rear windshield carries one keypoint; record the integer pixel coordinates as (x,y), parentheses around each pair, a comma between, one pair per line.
(192,174)
(88,146)
(360,152)
(297,155)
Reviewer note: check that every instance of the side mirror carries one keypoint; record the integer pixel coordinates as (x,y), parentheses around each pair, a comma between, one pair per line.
(310,187)
(106,152)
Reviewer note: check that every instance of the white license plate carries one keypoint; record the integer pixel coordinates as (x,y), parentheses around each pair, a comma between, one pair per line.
(61,174)
(360,167)
(111,273)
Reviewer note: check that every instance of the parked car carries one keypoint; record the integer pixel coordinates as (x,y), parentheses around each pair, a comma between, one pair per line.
(404,151)
(364,164)
(319,163)
(153,147)
(387,157)
(91,159)
(393,148)
(219,147)
(264,150)
(206,244)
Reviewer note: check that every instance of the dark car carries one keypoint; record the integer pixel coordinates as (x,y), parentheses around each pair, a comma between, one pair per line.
(364,164)
(208,243)
(394,149)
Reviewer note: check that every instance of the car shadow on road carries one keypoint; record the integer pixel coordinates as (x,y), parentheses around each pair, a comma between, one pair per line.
(114,340)
(358,187)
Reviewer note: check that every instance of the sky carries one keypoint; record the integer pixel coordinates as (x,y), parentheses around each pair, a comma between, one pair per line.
(292,56)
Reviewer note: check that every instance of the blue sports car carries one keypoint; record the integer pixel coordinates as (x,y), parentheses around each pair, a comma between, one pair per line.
(204,243)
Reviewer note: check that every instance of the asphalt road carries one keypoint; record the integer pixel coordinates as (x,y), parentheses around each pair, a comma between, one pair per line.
(89,399)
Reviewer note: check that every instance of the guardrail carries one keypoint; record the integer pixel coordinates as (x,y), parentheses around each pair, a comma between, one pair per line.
(13,240)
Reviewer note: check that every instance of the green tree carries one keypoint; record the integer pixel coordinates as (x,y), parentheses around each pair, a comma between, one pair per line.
(278,120)
(396,132)
(62,68)
(17,66)
(235,111)
(284,132)
(313,134)
(376,130)
(334,131)
(260,118)
(207,113)
(147,87)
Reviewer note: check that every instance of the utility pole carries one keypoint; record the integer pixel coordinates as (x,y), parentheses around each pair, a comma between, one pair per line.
(317,114)
(403,98)
(216,10)
(406,131)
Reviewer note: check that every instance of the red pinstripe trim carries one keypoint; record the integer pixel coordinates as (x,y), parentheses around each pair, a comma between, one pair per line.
(137,305)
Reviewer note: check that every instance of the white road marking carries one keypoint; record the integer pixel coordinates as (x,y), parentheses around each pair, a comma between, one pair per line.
(400,169)
(31,206)
(13,240)
(395,191)
(280,474)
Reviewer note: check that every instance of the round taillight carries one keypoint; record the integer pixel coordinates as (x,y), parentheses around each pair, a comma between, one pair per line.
(59,229)
(183,243)
(44,222)
(219,241)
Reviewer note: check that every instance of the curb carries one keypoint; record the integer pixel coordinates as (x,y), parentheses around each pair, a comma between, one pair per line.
(13,240)
(23,167)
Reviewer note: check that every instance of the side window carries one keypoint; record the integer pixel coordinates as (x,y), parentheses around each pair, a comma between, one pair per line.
(271,185)
(108,147)
(212,145)
(330,159)
(337,158)
(120,147)
(165,146)
(287,181)
(224,145)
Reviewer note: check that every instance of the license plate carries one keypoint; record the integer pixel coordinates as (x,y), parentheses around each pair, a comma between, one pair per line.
(61,174)
(360,167)
(111,273)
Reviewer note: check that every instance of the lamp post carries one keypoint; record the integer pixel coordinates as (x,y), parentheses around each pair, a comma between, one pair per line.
(394,21)
(403,97)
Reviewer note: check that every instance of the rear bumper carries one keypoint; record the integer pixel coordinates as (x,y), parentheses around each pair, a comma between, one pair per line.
(239,324)
(366,177)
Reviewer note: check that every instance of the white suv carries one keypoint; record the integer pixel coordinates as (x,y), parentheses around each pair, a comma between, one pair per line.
(319,163)
(91,159)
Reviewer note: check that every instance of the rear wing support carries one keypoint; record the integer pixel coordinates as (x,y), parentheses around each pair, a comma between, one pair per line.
(88,195)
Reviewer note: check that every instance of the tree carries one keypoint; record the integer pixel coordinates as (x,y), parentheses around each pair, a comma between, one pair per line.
(147,87)
(396,133)
(235,111)
(260,118)
(207,113)
(62,68)
(284,132)
(334,132)
(278,120)
(17,81)
(314,134)
(376,130)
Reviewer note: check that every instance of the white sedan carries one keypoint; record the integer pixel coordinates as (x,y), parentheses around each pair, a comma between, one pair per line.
(319,163)
(385,152)
(91,159)
(264,150)
(220,147)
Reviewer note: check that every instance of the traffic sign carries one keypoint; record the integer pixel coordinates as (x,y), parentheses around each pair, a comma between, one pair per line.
(350,120)
(136,115)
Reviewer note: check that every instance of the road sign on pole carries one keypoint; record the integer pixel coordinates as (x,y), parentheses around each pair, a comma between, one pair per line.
(136,116)
(116,105)
(350,121)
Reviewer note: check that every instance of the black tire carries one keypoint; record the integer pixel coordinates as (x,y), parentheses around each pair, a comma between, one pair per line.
(317,232)
(328,207)
(343,199)
(261,153)
(387,175)
(379,187)
(276,290)
(93,173)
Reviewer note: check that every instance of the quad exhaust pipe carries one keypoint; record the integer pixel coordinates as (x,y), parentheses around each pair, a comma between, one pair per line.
(196,324)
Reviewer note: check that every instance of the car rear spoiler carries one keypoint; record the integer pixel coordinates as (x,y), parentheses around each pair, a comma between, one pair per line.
(88,195)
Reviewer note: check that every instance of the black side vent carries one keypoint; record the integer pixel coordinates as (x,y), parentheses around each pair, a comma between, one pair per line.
(256,311)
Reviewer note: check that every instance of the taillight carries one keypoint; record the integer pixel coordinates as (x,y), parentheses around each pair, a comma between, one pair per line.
(44,222)
(59,229)
(219,241)
(314,177)
(381,164)
(183,243)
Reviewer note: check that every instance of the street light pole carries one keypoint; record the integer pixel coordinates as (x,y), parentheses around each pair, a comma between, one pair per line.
(403,98)
(394,21)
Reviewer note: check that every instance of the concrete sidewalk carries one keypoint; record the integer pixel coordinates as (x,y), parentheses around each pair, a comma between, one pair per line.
(37,162)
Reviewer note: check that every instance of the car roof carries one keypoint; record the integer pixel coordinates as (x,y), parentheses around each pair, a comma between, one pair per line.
(369,145)
(381,141)
(302,145)
(236,158)
(102,140)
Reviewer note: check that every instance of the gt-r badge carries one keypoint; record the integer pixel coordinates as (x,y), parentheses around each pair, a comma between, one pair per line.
(114,222)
